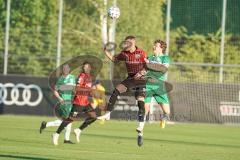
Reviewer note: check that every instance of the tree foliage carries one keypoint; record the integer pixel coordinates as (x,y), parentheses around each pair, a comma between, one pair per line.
(34,26)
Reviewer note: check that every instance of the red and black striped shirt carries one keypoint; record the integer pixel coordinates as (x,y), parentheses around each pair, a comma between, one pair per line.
(134,60)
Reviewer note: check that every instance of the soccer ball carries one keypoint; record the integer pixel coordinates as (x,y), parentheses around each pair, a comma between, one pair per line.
(114,12)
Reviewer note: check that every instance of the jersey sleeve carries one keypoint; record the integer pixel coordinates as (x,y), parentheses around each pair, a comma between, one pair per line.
(120,57)
(72,80)
(144,55)
(166,61)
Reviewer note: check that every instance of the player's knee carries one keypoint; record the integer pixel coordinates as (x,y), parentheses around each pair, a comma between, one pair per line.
(91,120)
(140,98)
(116,92)
(121,88)
(92,114)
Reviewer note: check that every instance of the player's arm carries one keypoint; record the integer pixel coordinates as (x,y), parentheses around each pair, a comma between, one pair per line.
(143,72)
(157,66)
(115,58)
(109,55)
(57,95)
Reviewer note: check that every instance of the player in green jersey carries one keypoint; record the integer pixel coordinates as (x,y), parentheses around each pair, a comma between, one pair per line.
(155,85)
(63,91)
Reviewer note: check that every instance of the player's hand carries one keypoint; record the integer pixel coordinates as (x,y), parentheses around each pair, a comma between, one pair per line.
(146,60)
(137,76)
(61,101)
(140,74)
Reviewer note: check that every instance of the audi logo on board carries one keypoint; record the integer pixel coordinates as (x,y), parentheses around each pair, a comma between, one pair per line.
(20,94)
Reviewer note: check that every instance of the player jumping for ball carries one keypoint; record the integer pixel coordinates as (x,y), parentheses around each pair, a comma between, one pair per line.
(134,59)
(155,86)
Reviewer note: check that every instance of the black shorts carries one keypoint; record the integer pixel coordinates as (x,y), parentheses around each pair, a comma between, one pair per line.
(135,86)
(82,109)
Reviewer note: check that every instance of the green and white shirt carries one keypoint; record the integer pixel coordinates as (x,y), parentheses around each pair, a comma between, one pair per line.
(162,59)
(65,86)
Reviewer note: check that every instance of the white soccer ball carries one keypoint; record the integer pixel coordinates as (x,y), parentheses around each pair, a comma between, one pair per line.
(114,12)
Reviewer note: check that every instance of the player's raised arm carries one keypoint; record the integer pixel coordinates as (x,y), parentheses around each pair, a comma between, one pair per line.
(109,55)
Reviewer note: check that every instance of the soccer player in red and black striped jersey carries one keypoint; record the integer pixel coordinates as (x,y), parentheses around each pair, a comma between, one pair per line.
(134,59)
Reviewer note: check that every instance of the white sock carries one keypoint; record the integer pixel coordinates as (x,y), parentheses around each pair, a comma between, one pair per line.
(54,123)
(68,132)
(78,129)
(141,124)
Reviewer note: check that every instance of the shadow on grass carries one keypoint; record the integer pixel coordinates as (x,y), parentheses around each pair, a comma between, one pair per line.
(169,141)
(22,157)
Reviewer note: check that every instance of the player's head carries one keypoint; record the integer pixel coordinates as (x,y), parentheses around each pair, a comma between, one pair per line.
(86,67)
(132,40)
(159,46)
(65,69)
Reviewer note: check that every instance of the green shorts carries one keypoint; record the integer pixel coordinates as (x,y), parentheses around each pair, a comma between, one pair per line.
(156,91)
(63,111)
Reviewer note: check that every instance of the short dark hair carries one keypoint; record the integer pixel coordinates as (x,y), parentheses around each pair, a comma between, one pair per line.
(130,37)
(85,63)
(163,44)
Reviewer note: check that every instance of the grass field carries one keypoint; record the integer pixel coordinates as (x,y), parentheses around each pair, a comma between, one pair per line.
(116,140)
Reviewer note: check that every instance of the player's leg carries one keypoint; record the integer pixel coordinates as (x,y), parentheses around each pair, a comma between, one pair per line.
(45,124)
(163,101)
(64,111)
(141,119)
(141,124)
(55,136)
(92,117)
(63,125)
(141,114)
(67,134)
(121,88)
(140,97)
(55,123)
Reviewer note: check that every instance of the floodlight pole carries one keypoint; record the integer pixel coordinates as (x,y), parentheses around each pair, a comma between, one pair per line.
(7,38)
(104,23)
(168,19)
(168,25)
(111,37)
(60,15)
(222,41)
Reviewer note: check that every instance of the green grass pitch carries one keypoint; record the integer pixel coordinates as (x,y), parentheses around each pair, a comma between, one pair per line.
(116,140)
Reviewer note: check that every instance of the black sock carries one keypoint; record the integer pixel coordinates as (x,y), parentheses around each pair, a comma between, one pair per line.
(112,100)
(141,111)
(62,126)
(87,122)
